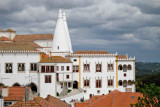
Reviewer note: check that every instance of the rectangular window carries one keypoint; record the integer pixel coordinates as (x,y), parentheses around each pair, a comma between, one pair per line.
(62,68)
(47,68)
(110,66)
(9,68)
(57,68)
(67,76)
(98,83)
(48,79)
(110,82)
(86,83)
(86,67)
(67,68)
(75,68)
(42,68)
(21,67)
(52,68)
(75,60)
(33,66)
(98,67)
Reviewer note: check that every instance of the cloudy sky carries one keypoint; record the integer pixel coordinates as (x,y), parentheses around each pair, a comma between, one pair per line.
(123,26)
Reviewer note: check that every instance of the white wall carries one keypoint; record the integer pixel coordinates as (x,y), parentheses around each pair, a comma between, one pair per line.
(23,78)
(7,34)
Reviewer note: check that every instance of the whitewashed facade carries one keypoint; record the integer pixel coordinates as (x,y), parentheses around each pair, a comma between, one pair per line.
(96,72)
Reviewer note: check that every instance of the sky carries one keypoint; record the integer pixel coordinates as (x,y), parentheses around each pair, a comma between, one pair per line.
(123,26)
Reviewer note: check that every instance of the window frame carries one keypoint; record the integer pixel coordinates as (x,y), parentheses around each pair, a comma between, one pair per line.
(34,65)
(9,69)
(48,79)
(110,83)
(21,67)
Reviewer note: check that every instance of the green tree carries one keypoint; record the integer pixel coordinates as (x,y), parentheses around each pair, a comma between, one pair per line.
(151,96)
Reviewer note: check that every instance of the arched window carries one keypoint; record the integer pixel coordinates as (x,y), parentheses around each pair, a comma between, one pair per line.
(16,84)
(120,83)
(129,82)
(125,83)
(120,67)
(125,68)
(33,87)
(129,67)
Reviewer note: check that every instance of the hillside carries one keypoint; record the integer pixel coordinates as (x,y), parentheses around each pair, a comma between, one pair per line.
(144,69)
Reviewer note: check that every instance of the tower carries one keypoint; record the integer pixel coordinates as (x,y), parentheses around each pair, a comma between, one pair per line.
(61,42)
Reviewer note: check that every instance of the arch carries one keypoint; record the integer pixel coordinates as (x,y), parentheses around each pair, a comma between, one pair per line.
(120,67)
(125,83)
(2,85)
(129,82)
(33,87)
(16,84)
(120,83)
(129,67)
(124,68)
(75,84)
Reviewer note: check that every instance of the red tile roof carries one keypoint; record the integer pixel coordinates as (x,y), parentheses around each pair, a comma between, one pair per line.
(41,102)
(15,94)
(33,37)
(113,99)
(121,56)
(5,39)
(90,52)
(54,59)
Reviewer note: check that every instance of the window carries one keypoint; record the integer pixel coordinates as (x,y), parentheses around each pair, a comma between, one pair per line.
(124,74)
(67,76)
(110,82)
(42,68)
(98,83)
(47,68)
(8,67)
(98,67)
(75,60)
(67,68)
(33,67)
(52,68)
(75,68)
(62,68)
(69,84)
(7,103)
(86,67)
(21,67)
(120,82)
(120,67)
(98,91)
(129,67)
(48,79)
(85,91)
(109,91)
(86,83)
(110,66)
(57,68)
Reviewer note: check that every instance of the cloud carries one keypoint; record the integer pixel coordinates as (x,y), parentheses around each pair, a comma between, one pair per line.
(126,26)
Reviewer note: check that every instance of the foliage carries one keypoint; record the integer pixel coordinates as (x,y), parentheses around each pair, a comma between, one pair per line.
(69,91)
(57,94)
(151,96)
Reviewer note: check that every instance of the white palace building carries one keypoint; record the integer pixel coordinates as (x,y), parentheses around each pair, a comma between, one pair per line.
(47,64)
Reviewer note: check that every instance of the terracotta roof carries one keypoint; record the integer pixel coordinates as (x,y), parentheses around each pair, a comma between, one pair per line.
(36,45)
(41,102)
(26,104)
(15,94)
(8,30)
(121,56)
(33,37)
(5,39)
(91,52)
(14,46)
(113,99)
(54,59)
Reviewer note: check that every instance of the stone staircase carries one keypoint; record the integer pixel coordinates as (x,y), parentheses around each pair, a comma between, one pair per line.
(64,92)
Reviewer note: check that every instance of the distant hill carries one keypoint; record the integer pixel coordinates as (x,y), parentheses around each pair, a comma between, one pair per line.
(147,68)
